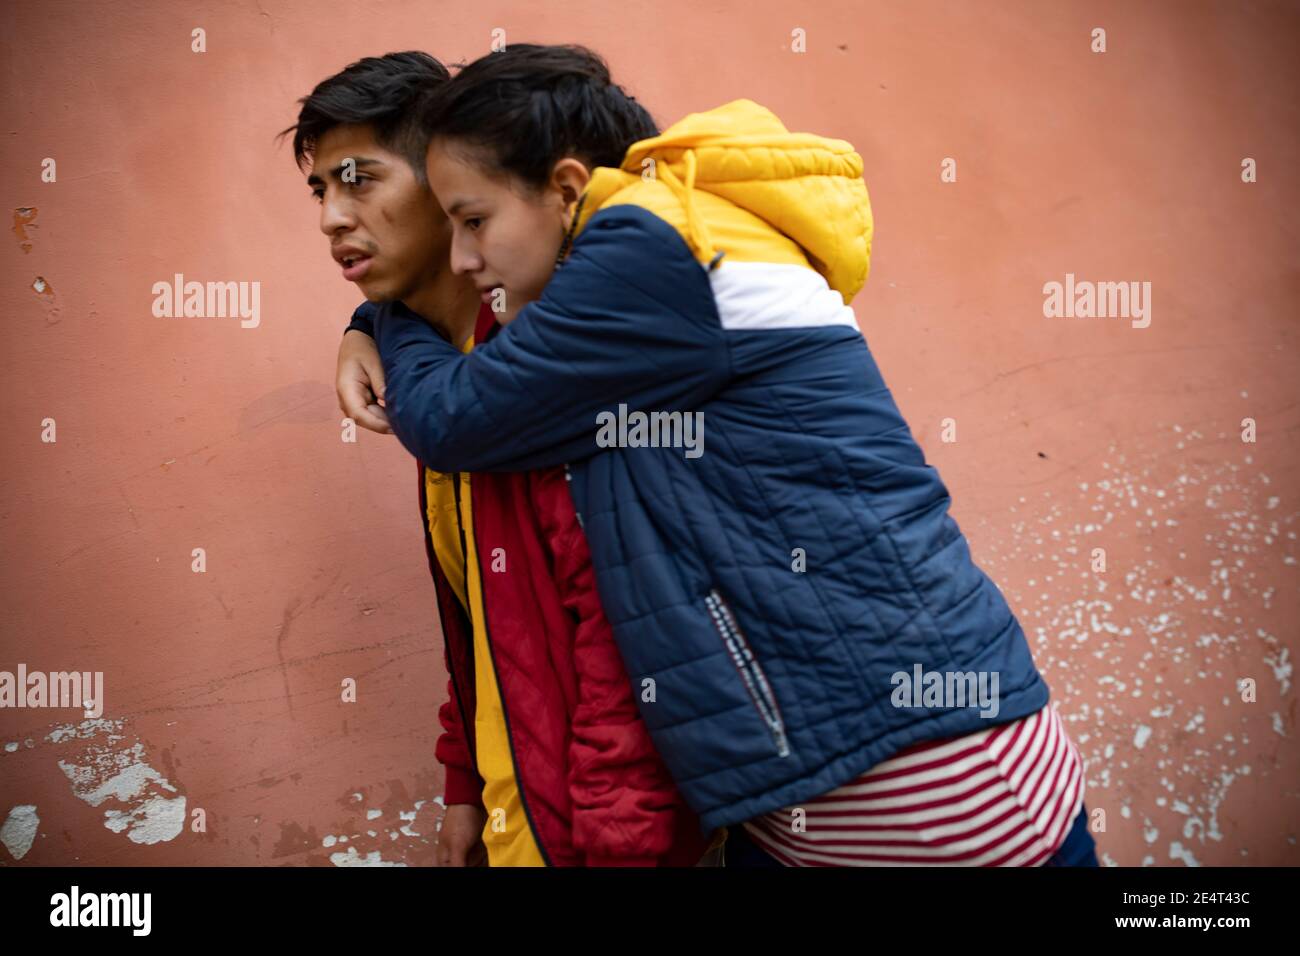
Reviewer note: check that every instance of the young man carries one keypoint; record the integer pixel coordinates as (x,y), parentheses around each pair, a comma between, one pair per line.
(547,761)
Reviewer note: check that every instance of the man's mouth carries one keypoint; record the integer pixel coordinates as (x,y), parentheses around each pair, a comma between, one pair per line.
(354,261)
(355,266)
(487,294)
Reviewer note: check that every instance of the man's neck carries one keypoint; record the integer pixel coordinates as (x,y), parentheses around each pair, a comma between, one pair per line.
(449,303)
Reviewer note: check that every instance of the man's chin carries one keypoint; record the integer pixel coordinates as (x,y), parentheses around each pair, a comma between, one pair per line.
(375,293)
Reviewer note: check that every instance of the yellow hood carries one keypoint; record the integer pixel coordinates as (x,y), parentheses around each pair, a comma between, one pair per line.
(773,184)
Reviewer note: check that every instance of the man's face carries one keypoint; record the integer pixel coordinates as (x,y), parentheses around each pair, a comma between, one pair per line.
(503,236)
(386,230)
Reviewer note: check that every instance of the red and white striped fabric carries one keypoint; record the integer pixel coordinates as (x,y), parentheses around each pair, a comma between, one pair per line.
(1005,796)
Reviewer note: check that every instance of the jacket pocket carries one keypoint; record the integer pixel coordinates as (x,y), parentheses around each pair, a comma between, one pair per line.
(760,691)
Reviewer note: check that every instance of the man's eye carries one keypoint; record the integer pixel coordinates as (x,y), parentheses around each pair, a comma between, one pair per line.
(318,195)
(473,222)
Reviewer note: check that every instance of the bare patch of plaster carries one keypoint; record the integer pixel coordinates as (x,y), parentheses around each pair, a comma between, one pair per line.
(105,768)
(1178,626)
(24,220)
(352,858)
(400,833)
(19,830)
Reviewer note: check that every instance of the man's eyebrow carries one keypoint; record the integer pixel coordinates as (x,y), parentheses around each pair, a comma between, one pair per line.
(360,162)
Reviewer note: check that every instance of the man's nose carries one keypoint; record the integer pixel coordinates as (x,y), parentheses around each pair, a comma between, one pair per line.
(335,214)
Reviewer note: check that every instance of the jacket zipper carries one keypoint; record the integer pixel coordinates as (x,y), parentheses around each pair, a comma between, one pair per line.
(487,633)
(568,478)
(760,691)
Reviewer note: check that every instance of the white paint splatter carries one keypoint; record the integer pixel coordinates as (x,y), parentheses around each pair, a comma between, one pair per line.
(408,817)
(1177,852)
(155,820)
(1281,667)
(19,830)
(152,812)
(352,858)
(1165,606)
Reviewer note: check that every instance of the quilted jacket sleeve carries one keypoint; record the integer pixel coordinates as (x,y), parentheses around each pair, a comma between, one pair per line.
(463,782)
(629,318)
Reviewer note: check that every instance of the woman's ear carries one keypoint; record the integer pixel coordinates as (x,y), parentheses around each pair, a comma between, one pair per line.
(569,178)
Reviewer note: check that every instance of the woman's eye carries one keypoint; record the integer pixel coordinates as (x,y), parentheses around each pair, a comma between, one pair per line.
(473,223)
(318,195)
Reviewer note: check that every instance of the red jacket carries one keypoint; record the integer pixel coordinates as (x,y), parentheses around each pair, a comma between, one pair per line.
(593,787)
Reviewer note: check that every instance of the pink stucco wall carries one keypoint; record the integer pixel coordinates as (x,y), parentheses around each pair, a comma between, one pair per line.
(223,687)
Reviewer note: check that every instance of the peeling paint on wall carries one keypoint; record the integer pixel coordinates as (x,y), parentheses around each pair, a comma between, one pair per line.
(19,830)
(352,858)
(407,839)
(1196,554)
(24,219)
(107,769)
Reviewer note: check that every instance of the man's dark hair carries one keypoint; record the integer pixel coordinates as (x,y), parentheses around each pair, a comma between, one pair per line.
(385,91)
(523,109)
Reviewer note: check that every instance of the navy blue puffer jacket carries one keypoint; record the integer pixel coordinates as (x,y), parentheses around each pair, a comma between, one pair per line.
(768,586)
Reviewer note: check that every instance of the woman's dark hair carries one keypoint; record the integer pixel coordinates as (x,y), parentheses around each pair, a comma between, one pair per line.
(385,91)
(523,109)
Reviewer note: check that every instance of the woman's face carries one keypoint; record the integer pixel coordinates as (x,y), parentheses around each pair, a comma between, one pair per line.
(505,236)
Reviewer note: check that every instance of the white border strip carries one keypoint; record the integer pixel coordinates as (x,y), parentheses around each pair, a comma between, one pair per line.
(763,295)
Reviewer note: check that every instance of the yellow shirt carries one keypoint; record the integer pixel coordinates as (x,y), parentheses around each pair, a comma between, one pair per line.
(506,834)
